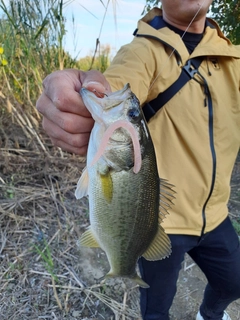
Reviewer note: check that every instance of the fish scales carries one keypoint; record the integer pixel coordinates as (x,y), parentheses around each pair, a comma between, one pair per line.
(123,185)
(127,214)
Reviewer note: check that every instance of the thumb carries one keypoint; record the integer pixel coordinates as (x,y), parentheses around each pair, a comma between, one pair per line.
(96,82)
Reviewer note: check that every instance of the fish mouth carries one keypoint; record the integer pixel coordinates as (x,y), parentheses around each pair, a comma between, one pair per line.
(124,93)
(106,101)
(92,103)
(101,95)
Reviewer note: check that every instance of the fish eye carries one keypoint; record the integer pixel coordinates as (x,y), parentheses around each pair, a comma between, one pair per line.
(133,114)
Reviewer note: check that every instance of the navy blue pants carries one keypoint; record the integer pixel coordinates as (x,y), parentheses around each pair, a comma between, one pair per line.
(217,253)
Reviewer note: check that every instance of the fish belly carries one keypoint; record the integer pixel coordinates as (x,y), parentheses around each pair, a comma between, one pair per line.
(125,226)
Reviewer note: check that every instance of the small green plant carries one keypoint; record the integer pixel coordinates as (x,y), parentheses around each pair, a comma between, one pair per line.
(46,256)
(9,191)
(236,225)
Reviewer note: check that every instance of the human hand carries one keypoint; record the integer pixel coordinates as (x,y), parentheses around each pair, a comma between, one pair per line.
(65,117)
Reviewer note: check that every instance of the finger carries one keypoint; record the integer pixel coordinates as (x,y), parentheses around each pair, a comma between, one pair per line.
(62,138)
(68,100)
(62,89)
(95,81)
(81,151)
(73,104)
(69,122)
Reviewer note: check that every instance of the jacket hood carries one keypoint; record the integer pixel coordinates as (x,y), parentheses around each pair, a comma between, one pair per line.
(214,43)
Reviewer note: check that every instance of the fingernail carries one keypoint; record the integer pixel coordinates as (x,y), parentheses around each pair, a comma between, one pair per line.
(96,87)
(92,84)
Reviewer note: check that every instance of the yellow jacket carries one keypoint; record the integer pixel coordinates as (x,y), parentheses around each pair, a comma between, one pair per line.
(196,145)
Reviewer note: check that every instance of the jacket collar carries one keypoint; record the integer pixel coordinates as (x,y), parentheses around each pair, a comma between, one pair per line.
(158,23)
(214,43)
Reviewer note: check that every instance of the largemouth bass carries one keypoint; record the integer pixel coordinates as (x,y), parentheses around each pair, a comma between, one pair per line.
(122,182)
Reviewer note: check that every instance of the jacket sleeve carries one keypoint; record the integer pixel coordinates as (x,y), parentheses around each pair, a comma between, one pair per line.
(133,64)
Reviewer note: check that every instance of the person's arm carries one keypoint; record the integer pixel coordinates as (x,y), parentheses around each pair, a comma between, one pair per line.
(65,118)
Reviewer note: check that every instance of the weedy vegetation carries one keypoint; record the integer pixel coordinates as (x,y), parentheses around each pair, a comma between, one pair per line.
(44,274)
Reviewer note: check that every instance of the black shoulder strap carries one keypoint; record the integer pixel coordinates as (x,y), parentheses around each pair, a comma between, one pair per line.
(188,72)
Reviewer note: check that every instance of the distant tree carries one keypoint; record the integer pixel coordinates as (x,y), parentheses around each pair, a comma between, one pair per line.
(150,4)
(225,12)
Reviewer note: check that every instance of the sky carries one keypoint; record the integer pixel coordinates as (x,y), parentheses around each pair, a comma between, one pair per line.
(88,15)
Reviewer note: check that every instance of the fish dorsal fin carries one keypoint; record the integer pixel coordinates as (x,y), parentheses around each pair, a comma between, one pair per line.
(82,185)
(88,239)
(166,198)
(160,247)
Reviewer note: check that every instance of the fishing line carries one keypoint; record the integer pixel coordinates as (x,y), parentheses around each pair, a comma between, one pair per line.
(169,57)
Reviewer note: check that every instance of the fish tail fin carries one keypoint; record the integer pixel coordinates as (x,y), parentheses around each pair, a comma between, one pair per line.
(135,278)
(140,282)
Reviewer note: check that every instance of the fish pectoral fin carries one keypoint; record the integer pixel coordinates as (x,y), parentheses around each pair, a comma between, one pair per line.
(107,186)
(88,239)
(82,185)
(160,247)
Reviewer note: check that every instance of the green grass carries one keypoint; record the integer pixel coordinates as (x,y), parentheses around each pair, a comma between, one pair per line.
(46,256)
(32,34)
(236,225)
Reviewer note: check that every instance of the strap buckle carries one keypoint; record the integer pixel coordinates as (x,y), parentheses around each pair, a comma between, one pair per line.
(189,69)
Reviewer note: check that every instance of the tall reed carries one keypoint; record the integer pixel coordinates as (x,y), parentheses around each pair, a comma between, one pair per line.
(32,34)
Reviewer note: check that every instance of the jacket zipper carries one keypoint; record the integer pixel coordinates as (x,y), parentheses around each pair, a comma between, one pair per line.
(212,148)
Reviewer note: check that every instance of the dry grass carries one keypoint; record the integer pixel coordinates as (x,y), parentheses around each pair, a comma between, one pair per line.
(43,272)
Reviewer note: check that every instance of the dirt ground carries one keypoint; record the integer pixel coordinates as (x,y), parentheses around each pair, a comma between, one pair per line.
(44,274)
